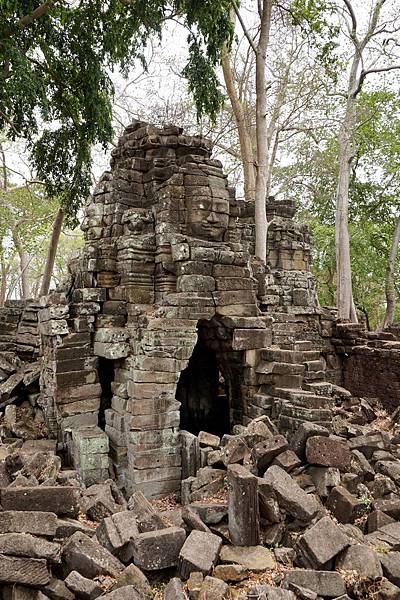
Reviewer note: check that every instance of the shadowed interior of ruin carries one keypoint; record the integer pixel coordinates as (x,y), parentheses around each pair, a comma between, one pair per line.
(202,392)
(106,377)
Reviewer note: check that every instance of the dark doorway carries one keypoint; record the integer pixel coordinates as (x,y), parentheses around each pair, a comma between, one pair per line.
(202,392)
(106,377)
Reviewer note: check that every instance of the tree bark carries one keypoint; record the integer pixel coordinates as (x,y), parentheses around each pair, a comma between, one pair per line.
(3,285)
(51,255)
(262,133)
(23,262)
(345,303)
(246,149)
(390,289)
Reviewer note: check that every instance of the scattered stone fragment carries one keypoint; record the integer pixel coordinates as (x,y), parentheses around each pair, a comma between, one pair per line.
(146,517)
(345,507)
(213,589)
(61,500)
(328,452)
(132,575)
(67,527)
(362,559)
(386,537)
(89,558)
(328,584)
(210,513)
(83,588)
(194,584)
(158,549)
(324,479)
(321,543)
(193,521)
(287,460)
(389,506)
(26,571)
(115,533)
(57,590)
(288,493)
(208,439)
(98,502)
(285,556)
(390,562)
(230,572)
(24,544)
(368,444)
(243,507)
(127,592)
(34,522)
(253,558)
(264,452)
(303,433)
(377,519)
(174,590)
(199,553)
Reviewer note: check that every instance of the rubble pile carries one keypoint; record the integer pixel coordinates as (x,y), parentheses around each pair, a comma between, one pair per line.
(21,415)
(261,517)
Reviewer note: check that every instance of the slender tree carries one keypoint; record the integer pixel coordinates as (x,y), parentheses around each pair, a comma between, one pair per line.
(390,288)
(377,31)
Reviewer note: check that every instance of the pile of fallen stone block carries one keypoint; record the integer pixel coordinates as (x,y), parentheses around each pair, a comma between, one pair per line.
(261,519)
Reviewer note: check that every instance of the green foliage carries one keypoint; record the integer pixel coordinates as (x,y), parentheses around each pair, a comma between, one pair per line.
(314,18)
(370,245)
(374,201)
(54,71)
(27,215)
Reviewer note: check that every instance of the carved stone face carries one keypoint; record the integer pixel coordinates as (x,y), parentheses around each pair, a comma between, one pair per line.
(207,218)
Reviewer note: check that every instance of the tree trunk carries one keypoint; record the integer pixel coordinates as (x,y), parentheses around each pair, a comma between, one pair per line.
(345,303)
(246,150)
(262,134)
(51,255)
(3,284)
(3,168)
(24,264)
(390,289)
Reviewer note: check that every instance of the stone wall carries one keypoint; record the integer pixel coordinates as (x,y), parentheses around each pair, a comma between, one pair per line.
(18,329)
(370,363)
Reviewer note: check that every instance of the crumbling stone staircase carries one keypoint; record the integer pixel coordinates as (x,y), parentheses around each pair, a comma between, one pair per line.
(293,381)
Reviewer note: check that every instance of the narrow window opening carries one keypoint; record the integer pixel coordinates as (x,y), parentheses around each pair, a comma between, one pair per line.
(106,377)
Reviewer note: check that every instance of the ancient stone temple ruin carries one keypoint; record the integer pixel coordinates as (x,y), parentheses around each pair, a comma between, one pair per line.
(168,326)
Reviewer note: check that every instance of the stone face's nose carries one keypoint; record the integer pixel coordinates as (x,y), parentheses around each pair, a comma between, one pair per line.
(212,217)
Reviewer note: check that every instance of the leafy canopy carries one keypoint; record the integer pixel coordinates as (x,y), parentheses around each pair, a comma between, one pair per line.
(55,89)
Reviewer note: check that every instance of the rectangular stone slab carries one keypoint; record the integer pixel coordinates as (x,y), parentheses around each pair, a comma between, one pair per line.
(24,544)
(288,493)
(61,500)
(243,508)
(28,571)
(35,522)
(325,583)
(154,550)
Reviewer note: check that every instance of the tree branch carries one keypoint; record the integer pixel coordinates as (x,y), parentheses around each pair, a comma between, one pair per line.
(39,12)
(352,16)
(245,30)
(363,73)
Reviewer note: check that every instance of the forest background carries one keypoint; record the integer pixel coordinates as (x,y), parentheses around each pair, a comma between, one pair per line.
(303,96)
